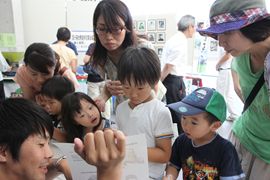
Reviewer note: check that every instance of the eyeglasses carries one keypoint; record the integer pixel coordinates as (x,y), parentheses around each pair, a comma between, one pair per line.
(114,31)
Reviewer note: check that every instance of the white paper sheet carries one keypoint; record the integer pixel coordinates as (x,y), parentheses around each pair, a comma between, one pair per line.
(135,162)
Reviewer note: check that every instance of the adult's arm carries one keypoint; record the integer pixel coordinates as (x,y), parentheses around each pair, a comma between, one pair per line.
(236,85)
(223,59)
(165,71)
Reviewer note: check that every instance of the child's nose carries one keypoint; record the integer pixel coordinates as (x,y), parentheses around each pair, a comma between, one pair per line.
(89,115)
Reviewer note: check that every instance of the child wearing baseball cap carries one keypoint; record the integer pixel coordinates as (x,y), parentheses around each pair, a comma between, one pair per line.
(200,152)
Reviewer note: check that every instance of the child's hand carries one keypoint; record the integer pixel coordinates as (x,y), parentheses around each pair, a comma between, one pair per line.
(115,88)
(105,150)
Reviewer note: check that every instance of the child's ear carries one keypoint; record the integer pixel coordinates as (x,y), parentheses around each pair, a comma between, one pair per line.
(215,125)
(3,154)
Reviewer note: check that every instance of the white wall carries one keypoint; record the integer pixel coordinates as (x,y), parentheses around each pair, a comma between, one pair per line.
(11,22)
(41,19)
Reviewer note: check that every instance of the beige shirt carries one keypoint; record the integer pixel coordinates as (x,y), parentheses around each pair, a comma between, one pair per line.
(66,54)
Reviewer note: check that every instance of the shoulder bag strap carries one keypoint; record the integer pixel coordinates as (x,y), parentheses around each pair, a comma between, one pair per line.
(253,92)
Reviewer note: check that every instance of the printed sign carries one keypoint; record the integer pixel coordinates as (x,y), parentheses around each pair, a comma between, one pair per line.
(82,39)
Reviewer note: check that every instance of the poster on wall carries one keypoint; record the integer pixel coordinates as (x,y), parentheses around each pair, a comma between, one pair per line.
(82,39)
(161,37)
(151,25)
(161,25)
(141,26)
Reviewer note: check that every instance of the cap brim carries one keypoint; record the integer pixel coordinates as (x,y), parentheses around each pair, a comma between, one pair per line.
(184,109)
(216,29)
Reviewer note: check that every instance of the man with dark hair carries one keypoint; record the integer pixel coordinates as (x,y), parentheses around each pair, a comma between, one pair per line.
(174,61)
(25,153)
(70,44)
(25,132)
(67,56)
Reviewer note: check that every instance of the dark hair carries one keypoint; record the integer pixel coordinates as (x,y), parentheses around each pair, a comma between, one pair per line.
(19,119)
(112,10)
(257,31)
(71,104)
(211,118)
(140,65)
(57,64)
(63,34)
(57,87)
(39,56)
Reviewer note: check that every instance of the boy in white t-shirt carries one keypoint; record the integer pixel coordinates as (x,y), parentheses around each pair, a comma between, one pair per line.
(139,72)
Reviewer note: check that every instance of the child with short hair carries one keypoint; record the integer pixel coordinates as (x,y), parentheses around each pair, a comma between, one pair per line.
(81,115)
(200,152)
(52,92)
(139,72)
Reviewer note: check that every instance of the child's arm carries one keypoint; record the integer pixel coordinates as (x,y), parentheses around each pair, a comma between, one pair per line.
(162,152)
(171,173)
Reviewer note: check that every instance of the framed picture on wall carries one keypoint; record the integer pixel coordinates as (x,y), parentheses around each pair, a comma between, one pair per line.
(151,37)
(141,26)
(151,25)
(161,37)
(159,50)
(161,24)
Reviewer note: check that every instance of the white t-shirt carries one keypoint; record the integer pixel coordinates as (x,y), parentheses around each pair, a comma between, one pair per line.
(175,53)
(153,119)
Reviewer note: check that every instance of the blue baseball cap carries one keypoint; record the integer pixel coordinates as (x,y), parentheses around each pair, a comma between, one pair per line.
(202,100)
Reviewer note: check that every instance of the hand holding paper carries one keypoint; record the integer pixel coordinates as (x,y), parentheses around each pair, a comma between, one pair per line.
(105,150)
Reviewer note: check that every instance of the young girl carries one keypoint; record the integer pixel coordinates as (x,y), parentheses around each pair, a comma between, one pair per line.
(52,92)
(142,113)
(81,115)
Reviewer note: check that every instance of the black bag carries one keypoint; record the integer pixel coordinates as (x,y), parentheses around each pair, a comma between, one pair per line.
(88,68)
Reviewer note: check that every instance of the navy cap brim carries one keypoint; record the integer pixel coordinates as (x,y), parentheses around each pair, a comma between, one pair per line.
(216,29)
(185,109)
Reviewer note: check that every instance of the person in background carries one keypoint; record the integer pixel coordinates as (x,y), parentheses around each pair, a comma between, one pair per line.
(174,59)
(4,66)
(200,152)
(139,72)
(70,45)
(224,85)
(67,56)
(240,26)
(94,81)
